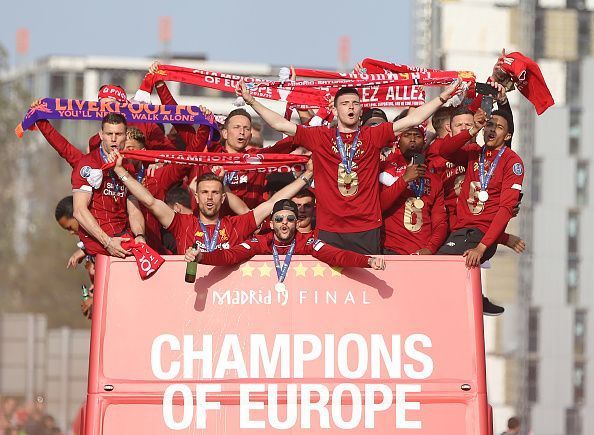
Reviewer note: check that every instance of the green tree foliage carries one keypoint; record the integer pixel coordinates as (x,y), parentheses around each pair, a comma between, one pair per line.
(34,250)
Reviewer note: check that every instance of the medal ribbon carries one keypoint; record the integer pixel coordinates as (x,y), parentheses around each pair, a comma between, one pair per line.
(418,189)
(111,173)
(208,242)
(486,178)
(281,272)
(347,162)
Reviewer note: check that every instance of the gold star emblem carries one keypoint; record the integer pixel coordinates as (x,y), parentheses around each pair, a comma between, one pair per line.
(336,271)
(318,270)
(300,270)
(264,270)
(247,270)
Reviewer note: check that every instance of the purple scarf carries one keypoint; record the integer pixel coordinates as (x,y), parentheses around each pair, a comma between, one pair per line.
(61,108)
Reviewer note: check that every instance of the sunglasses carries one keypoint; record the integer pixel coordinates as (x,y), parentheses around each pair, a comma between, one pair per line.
(290,218)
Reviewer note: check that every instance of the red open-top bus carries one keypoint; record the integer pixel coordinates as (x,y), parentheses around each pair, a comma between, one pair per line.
(351,350)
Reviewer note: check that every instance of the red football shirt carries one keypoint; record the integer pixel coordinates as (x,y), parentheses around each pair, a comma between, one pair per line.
(108,203)
(342,206)
(452,175)
(407,228)
(233,230)
(304,245)
(504,189)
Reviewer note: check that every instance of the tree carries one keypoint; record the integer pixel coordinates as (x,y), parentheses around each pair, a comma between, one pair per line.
(33,249)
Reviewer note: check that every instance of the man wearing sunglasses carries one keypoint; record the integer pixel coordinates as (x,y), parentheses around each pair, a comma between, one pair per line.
(285,240)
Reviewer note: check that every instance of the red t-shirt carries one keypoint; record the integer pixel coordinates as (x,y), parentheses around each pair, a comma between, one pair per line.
(504,189)
(108,203)
(233,230)
(304,245)
(452,175)
(407,228)
(346,207)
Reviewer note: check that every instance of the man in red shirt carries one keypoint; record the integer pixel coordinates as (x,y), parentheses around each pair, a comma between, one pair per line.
(236,135)
(413,209)
(101,204)
(347,159)
(208,230)
(285,240)
(306,210)
(154,133)
(489,193)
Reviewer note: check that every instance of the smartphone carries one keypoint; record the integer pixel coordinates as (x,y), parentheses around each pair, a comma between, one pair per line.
(485,89)
(487,105)
(418,159)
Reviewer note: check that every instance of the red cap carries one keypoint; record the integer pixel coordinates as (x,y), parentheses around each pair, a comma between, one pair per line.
(113,91)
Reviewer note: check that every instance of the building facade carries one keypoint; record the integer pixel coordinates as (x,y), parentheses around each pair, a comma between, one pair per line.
(540,354)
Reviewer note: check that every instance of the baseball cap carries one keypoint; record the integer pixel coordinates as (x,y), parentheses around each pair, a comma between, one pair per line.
(369,113)
(284,204)
(113,91)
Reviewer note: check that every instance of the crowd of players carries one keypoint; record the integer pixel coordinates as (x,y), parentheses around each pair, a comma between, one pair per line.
(372,187)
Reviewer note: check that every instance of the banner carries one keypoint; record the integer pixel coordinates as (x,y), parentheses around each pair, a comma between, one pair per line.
(60,108)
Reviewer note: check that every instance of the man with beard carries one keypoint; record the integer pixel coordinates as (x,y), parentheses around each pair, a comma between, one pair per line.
(489,193)
(413,209)
(208,230)
(101,204)
(285,240)
(347,159)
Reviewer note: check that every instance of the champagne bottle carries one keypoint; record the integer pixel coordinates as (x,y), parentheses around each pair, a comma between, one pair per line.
(84,293)
(192,266)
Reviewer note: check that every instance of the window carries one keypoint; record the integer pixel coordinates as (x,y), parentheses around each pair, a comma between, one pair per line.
(579,333)
(573,421)
(79,86)
(581,183)
(533,381)
(579,382)
(575,130)
(573,230)
(533,322)
(572,280)
(57,85)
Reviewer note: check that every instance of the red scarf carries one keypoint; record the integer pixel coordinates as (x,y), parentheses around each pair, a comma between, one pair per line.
(377,90)
(528,78)
(147,259)
(230,161)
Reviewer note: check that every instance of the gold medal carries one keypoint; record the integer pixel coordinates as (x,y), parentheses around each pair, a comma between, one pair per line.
(348,178)
(483,196)
(419,203)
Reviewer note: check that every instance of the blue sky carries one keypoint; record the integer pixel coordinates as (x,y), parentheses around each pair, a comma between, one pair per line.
(301,32)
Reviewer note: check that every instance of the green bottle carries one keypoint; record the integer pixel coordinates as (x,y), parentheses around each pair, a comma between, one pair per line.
(192,266)
(85,293)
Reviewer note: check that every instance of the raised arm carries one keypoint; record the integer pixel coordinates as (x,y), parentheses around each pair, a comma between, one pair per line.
(287,192)
(136,219)
(157,207)
(421,113)
(270,117)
